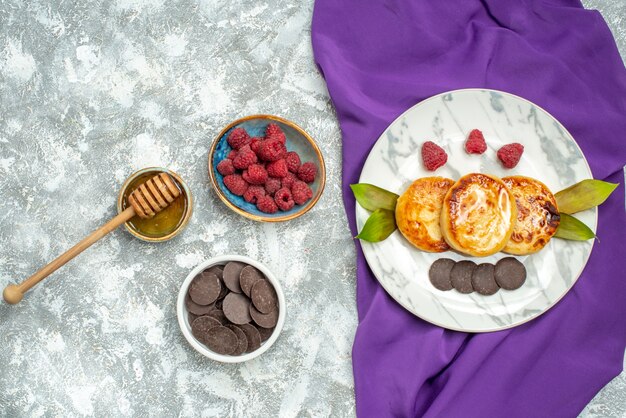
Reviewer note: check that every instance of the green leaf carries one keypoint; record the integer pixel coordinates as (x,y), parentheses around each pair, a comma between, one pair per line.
(573,229)
(372,197)
(378,226)
(583,195)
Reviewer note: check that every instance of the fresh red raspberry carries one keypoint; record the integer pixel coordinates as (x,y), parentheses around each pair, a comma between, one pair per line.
(225,167)
(255,174)
(307,172)
(255,144)
(277,168)
(237,138)
(293,161)
(283,199)
(253,194)
(232,155)
(475,143)
(236,184)
(301,192)
(272,149)
(245,157)
(510,154)
(266,204)
(272,185)
(274,131)
(288,180)
(433,155)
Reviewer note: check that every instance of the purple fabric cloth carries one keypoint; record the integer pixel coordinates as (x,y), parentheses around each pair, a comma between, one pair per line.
(381,57)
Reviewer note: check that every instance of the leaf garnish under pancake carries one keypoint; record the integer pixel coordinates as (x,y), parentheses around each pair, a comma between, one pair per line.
(572,229)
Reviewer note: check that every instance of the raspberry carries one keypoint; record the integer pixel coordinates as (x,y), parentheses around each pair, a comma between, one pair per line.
(232,155)
(266,204)
(245,157)
(255,174)
(236,184)
(307,172)
(283,199)
(293,161)
(433,155)
(510,154)
(301,192)
(274,131)
(272,185)
(253,194)
(237,138)
(288,180)
(475,143)
(272,149)
(277,168)
(225,167)
(255,144)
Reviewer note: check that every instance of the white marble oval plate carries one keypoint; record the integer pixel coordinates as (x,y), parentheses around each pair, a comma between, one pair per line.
(550,155)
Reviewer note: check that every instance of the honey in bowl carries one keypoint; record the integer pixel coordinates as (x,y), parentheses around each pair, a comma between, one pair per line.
(165,222)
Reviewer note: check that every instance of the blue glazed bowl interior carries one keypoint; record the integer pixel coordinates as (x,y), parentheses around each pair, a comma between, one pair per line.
(295,142)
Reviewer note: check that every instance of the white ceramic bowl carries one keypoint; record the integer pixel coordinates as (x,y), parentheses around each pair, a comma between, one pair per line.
(186,328)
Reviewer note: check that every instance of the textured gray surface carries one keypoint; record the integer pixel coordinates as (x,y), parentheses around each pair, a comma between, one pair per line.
(90,93)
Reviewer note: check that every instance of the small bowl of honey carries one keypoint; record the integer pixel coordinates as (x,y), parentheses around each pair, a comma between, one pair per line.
(166,224)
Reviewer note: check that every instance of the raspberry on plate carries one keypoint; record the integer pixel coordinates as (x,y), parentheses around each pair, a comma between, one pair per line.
(475,143)
(255,174)
(307,172)
(225,167)
(237,138)
(284,199)
(253,194)
(245,157)
(301,192)
(272,149)
(288,180)
(433,155)
(293,161)
(267,205)
(274,131)
(236,184)
(510,154)
(272,185)
(277,168)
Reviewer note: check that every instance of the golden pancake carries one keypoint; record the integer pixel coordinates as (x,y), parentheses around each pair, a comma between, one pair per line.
(418,212)
(537,215)
(478,215)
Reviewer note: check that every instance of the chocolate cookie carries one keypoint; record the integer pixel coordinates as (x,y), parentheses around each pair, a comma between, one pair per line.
(483,280)
(232,270)
(461,276)
(221,340)
(205,288)
(196,309)
(202,325)
(264,320)
(237,308)
(439,273)
(248,277)
(510,273)
(241,337)
(252,335)
(217,270)
(264,296)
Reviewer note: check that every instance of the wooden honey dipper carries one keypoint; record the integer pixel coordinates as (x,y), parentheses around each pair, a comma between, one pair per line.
(145,201)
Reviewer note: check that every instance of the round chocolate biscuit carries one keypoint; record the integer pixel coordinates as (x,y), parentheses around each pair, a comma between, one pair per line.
(219,315)
(265,333)
(237,308)
(264,296)
(252,335)
(439,273)
(483,279)
(510,273)
(461,276)
(217,270)
(232,270)
(205,288)
(202,325)
(196,309)
(264,320)
(248,277)
(241,337)
(221,340)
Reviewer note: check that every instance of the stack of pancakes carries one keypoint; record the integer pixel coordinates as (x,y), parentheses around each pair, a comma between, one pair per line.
(478,215)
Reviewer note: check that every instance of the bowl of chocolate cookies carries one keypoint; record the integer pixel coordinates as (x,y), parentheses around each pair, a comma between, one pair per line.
(231,308)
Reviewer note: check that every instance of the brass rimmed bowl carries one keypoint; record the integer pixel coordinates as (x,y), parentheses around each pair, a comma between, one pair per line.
(297,140)
(166,224)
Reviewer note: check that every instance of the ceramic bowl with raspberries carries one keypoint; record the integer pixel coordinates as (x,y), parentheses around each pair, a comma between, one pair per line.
(267,168)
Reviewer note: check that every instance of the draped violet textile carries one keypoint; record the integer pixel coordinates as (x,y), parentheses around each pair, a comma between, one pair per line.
(381,57)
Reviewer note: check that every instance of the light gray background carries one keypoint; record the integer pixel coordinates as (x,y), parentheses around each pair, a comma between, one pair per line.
(88,94)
